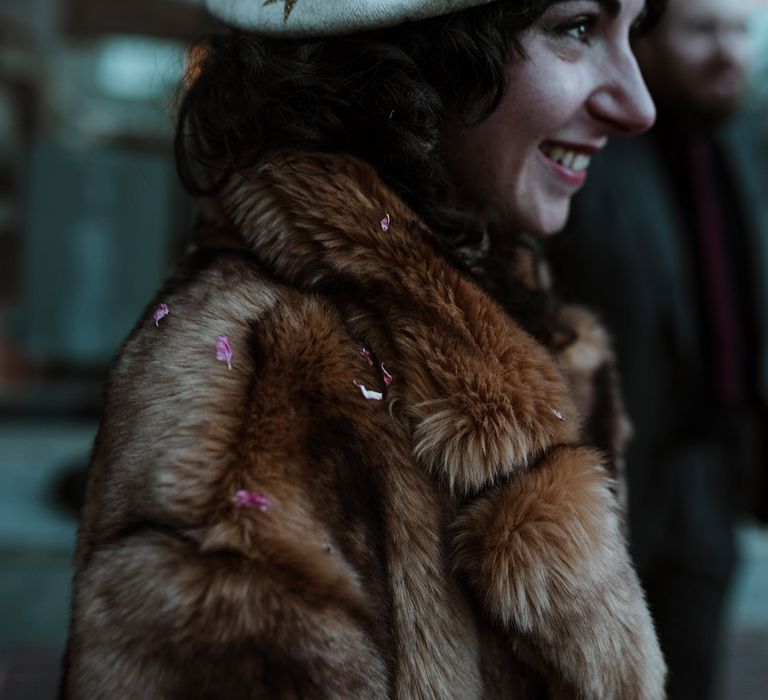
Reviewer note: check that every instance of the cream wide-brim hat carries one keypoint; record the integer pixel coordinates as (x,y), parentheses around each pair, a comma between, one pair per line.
(316,18)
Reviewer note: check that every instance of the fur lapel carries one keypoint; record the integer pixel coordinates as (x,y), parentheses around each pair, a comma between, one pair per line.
(487,400)
(356,582)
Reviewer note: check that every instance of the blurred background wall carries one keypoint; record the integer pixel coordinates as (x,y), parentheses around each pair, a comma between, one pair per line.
(91,218)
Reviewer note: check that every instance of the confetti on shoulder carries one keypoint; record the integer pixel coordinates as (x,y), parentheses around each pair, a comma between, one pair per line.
(368,394)
(160,313)
(385,222)
(254,500)
(224,350)
(386,376)
(366,353)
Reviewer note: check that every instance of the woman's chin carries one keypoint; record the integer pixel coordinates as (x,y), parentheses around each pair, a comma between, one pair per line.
(546,219)
(550,220)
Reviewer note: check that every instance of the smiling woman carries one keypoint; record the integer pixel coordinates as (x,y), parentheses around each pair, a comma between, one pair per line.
(578,85)
(354,449)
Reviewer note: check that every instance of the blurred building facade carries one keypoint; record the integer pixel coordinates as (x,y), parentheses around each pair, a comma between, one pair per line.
(91,218)
(91,214)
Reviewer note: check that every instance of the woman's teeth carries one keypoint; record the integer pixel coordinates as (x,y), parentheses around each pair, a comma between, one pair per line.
(569,159)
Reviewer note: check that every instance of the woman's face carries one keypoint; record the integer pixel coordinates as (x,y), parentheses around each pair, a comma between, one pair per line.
(578,85)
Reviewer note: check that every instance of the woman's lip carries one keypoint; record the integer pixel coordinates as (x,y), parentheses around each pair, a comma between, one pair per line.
(586,149)
(570,177)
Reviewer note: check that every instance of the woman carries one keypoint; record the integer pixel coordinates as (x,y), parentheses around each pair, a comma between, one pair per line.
(331,465)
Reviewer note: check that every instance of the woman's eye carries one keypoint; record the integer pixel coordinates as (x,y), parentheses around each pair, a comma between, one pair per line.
(578,29)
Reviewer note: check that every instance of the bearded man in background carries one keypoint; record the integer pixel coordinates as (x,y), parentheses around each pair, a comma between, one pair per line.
(669,242)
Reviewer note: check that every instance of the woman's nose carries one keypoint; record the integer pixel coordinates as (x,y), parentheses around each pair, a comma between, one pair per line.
(623,101)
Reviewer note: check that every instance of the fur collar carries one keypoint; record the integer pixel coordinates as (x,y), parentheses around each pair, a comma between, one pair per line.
(488,399)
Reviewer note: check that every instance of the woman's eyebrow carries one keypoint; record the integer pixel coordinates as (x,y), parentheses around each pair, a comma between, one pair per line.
(611,7)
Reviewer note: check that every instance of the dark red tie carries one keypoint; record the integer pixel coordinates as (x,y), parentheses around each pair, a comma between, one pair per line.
(719,293)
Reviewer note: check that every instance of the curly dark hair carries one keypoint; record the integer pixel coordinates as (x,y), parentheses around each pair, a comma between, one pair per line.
(380,95)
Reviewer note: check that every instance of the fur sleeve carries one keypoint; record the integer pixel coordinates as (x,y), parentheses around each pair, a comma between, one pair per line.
(163,616)
(179,593)
(545,554)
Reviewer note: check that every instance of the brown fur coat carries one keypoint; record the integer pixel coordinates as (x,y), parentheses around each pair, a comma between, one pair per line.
(454,540)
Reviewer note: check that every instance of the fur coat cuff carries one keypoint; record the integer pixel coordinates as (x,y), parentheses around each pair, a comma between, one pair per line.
(545,554)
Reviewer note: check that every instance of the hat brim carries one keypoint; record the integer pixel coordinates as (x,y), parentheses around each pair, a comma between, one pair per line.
(316,18)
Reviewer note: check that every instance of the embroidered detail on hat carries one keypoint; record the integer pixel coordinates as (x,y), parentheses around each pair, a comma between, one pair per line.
(289,5)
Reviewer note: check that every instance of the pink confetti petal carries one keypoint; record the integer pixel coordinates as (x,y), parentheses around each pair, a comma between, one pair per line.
(385,222)
(254,500)
(366,353)
(160,313)
(386,375)
(224,350)
(370,395)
